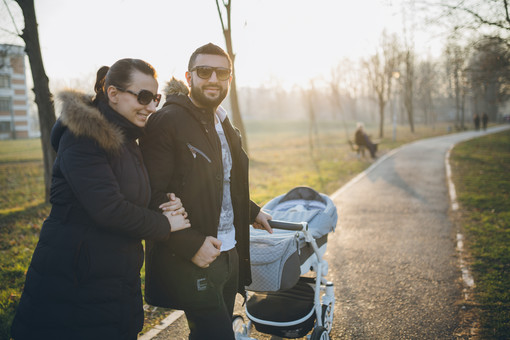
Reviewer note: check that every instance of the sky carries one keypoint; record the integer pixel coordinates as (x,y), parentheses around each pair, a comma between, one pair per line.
(287,42)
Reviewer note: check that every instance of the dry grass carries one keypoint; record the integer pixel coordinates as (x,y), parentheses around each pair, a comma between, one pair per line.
(281,158)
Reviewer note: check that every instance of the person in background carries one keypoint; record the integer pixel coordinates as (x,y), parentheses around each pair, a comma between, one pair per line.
(192,149)
(362,140)
(476,121)
(84,278)
(485,120)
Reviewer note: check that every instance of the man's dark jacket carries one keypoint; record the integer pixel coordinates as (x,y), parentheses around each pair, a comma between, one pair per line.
(182,153)
(84,278)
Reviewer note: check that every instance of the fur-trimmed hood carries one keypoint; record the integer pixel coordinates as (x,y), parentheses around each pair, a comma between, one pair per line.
(176,87)
(84,119)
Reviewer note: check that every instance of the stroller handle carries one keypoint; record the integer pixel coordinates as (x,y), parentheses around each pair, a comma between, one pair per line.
(288,225)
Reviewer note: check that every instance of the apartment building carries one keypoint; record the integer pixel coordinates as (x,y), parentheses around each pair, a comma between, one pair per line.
(14,108)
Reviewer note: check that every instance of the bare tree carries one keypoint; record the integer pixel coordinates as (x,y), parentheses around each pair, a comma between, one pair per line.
(456,57)
(408,86)
(310,100)
(489,74)
(490,16)
(43,96)
(476,14)
(380,68)
(408,61)
(226,25)
(336,96)
(425,90)
(309,96)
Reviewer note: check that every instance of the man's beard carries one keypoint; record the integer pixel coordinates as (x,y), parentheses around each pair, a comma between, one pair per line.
(200,98)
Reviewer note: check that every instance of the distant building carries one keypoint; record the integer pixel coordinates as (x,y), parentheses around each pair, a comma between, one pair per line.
(14,108)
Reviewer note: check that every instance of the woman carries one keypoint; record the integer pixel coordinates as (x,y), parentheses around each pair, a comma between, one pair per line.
(84,278)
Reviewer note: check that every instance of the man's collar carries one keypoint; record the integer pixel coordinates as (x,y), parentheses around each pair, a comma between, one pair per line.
(222,113)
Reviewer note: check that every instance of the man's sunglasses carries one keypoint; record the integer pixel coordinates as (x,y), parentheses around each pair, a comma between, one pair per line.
(144,97)
(205,72)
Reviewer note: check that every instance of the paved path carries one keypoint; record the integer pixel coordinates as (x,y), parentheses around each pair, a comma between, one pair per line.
(393,258)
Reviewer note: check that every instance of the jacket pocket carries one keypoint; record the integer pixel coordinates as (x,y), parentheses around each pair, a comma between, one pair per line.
(174,282)
(196,151)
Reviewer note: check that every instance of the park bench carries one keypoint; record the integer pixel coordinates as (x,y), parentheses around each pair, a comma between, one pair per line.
(360,149)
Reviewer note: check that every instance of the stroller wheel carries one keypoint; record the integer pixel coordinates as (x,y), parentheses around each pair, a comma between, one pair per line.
(239,326)
(327,317)
(319,333)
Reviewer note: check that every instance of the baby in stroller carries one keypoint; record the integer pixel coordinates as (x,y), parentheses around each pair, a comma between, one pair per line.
(282,302)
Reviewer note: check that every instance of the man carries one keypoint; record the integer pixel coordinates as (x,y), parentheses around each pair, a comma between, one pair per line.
(191,148)
(362,140)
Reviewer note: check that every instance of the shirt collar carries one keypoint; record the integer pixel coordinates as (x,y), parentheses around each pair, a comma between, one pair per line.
(222,113)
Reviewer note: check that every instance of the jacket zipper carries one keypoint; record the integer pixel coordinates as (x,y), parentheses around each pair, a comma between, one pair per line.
(195,150)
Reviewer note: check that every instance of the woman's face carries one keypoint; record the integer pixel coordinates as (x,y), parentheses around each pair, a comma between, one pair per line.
(125,102)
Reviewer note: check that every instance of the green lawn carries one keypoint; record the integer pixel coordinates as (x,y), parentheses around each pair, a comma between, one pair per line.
(281,158)
(481,169)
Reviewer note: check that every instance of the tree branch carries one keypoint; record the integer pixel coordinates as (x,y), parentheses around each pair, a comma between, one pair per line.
(12,18)
(221,16)
(505,3)
(479,18)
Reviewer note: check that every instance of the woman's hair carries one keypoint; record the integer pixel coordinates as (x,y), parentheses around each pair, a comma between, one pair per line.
(119,74)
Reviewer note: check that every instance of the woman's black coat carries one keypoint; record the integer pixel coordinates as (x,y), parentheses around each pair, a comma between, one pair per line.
(84,278)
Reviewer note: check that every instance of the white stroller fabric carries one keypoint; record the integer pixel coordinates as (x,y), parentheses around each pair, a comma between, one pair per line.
(275,258)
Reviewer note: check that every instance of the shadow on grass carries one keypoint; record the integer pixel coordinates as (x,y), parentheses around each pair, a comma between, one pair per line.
(9,218)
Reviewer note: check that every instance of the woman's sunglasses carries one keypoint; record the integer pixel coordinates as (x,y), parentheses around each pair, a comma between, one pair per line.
(144,97)
(205,72)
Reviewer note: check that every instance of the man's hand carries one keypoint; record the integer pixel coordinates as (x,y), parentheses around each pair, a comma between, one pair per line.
(209,251)
(261,222)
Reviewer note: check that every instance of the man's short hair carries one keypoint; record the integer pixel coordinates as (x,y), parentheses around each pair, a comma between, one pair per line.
(209,48)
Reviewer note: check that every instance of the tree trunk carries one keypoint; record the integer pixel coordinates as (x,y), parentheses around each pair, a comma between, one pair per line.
(43,96)
(234,102)
(410,111)
(381,118)
(236,112)
(338,104)
(409,91)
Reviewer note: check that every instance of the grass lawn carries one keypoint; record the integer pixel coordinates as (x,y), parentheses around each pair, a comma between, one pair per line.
(281,158)
(481,172)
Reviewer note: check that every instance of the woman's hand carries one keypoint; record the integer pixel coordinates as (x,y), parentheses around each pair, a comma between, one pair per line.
(177,222)
(175,213)
(174,205)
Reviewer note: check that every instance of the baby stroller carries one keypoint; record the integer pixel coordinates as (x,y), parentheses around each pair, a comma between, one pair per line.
(282,302)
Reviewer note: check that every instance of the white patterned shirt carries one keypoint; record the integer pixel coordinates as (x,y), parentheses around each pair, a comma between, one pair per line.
(226,230)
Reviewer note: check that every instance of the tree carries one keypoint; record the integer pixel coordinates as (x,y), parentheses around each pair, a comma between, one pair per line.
(310,98)
(380,68)
(425,90)
(489,75)
(336,96)
(234,101)
(456,73)
(408,88)
(477,14)
(473,15)
(43,96)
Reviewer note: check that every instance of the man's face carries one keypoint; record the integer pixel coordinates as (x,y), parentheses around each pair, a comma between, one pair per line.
(210,92)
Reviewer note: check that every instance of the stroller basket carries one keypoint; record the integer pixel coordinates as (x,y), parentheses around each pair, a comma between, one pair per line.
(284,322)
